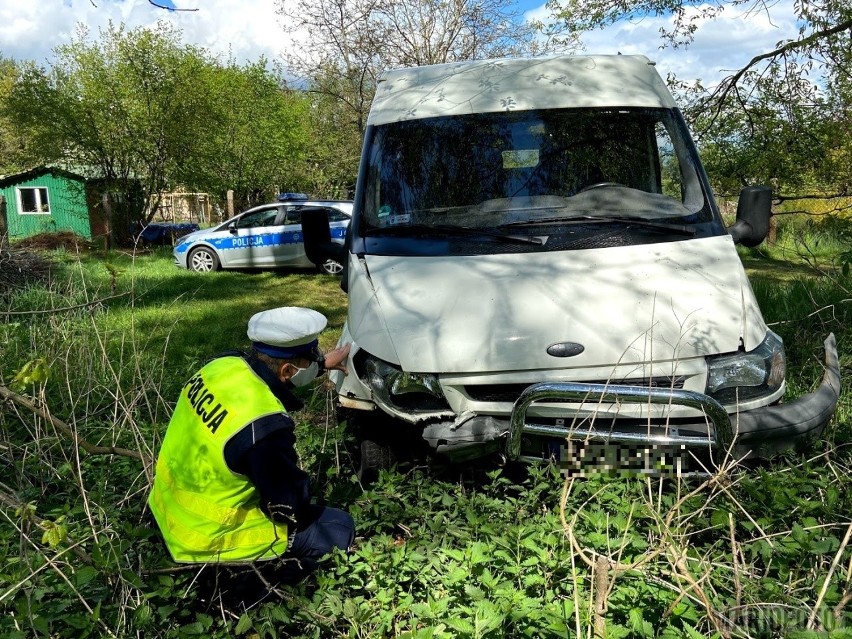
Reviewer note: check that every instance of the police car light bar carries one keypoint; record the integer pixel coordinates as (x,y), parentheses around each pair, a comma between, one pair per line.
(283,197)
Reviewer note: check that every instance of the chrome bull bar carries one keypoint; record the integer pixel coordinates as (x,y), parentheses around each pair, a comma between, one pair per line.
(600,394)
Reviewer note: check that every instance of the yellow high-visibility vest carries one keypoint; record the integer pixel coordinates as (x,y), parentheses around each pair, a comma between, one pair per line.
(205,511)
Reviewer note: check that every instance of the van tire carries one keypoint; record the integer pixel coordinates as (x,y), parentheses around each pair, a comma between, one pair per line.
(374,458)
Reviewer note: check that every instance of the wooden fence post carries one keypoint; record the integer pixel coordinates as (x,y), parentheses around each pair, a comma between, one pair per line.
(107,204)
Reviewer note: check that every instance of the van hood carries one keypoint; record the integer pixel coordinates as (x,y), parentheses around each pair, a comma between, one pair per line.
(491,313)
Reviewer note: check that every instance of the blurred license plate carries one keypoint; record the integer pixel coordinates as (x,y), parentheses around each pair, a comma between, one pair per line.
(578,458)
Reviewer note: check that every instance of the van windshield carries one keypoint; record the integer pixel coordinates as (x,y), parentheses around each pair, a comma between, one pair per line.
(553,168)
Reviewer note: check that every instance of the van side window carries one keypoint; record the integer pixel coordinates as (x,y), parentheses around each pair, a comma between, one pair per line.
(671,177)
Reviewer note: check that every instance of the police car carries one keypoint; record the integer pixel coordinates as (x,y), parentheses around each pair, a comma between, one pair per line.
(266,236)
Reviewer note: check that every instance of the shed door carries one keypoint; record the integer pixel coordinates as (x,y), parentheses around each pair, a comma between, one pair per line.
(4,228)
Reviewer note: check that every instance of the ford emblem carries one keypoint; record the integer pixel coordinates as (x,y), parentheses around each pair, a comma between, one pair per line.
(565,349)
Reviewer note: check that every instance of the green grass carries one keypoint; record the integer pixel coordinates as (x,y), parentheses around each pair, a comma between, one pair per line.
(155,310)
(441,551)
(803,246)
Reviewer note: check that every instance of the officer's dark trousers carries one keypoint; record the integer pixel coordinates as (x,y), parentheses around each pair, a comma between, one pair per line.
(317,535)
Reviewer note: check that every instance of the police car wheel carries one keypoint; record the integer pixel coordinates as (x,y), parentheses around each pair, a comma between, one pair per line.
(203,260)
(331,267)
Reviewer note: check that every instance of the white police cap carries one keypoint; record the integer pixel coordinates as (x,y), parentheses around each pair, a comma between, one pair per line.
(288,331)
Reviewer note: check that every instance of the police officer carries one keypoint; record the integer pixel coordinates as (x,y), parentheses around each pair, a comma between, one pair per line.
(227,485)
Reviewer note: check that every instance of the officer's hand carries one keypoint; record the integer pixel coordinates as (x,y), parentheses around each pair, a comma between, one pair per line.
(336,360)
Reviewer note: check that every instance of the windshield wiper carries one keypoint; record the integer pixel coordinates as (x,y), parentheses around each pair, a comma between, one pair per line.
(444,230)
(681,229)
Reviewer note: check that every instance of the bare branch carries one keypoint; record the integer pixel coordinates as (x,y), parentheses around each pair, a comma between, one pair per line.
(154,4)
(69,432)
(67,308)
(729,83)
(810,196)
(160,6)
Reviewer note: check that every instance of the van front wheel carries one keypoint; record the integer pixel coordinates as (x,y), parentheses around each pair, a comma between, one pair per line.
(375,457)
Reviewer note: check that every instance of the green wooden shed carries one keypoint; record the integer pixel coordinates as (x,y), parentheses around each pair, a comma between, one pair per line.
(44,200)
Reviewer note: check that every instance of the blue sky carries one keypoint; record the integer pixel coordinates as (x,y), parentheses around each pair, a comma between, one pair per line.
(29,29)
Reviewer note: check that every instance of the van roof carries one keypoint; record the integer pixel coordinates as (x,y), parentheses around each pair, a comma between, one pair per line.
(553,82)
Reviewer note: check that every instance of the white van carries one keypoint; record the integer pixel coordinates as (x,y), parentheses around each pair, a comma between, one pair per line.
(537,269)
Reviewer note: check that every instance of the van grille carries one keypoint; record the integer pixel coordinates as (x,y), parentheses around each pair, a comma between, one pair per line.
(511,392)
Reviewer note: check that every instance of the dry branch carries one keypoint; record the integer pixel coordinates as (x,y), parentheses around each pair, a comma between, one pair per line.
(68,431)
(605,569)
(813,616)
(21,268)
(729,83)
(62,309)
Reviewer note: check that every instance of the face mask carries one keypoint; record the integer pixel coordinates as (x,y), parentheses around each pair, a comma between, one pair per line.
(304,376)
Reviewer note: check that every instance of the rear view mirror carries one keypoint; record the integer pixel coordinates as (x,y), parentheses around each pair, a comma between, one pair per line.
(754,209)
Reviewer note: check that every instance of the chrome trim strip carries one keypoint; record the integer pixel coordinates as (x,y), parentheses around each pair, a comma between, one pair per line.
(547,430)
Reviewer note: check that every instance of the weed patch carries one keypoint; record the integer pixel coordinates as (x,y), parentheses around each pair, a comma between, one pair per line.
(102,348)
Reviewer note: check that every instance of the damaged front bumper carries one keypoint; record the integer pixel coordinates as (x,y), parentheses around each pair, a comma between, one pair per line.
(766,431)
(549,415)
(759,432)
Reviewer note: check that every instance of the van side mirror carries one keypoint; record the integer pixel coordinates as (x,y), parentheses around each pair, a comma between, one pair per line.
(754,209)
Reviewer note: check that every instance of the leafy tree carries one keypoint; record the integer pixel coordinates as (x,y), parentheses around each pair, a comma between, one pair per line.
(823,22)
(348,44)
(123,107)
(148,113)
(774,128)
(838,160)
(782,118)
(12,142)
(255,134)
(334,149)
(777,127)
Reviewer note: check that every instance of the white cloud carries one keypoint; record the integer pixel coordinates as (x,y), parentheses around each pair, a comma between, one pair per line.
(247,28)
(722,45)
(29,29)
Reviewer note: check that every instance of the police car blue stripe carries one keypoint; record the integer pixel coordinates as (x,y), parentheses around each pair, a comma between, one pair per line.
(264,239)
(245,241)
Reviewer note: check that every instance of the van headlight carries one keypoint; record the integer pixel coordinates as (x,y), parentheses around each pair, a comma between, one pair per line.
(743,376)
(395,390)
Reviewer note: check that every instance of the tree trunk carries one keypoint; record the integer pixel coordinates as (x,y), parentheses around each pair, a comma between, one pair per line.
(772,236)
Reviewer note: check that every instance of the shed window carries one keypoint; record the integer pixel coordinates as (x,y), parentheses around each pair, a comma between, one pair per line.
(34,200)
